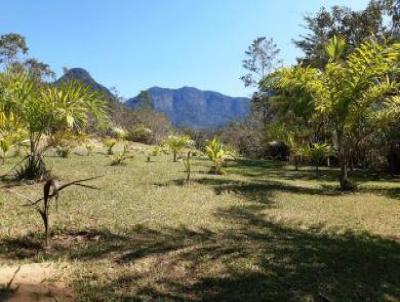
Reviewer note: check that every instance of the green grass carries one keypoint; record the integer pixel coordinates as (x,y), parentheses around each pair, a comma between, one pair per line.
(261,232)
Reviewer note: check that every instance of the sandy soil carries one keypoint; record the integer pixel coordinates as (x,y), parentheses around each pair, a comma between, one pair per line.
(34,282)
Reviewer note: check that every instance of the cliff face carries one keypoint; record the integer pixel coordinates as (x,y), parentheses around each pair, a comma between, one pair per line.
(195,108)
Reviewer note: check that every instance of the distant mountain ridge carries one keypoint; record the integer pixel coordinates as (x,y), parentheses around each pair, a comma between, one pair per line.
(84,76)
(186,106)
(195,108)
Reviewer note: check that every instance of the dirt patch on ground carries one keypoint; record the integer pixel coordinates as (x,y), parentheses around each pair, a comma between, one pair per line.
(34,282)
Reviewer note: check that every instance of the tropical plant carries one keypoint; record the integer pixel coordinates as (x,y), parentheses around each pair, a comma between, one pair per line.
(119,133)
(5,145)
(216,152)
(120,157)
(40,108)
(156,151)
(347,92)
(109,143)
(11,133)
(177,142)
(317,153)
(294,138)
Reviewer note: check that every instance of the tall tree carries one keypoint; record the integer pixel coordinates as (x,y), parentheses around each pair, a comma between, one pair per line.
(261,58)
(10,46)
(392,8)
(39,70)
(354,27)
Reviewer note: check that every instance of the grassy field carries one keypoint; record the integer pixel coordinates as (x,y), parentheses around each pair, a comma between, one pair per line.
(261,232)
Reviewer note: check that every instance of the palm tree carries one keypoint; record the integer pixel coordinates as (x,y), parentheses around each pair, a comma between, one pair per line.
(346,91)
(177,142)
(40,108)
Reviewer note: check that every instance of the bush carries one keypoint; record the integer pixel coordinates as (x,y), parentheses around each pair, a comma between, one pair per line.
(140,134)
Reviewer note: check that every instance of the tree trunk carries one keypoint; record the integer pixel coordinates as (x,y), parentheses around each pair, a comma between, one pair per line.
(174,156)
(345,183)
(35,168)
(47,230)
(44,213)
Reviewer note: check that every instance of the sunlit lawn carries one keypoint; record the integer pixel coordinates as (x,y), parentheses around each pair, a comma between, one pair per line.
(261,232)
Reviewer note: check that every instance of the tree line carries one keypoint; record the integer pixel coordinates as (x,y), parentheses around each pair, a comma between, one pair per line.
(339,104)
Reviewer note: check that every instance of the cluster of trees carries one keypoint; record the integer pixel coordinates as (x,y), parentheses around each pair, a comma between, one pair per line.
(339,102)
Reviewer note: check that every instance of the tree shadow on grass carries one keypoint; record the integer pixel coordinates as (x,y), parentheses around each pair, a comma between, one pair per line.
(256,169)
(260,168)
(265,261)
(259,187)
(251,259)
(263,187)
(257,260)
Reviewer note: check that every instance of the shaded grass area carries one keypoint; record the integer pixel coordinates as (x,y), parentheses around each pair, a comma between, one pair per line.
(260,261)
(258,233)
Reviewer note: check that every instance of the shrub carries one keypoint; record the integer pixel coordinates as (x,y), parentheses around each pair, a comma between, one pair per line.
(120,157)
(217,154)
(140,134)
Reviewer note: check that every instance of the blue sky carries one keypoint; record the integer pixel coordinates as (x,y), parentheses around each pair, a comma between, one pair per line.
(136,44)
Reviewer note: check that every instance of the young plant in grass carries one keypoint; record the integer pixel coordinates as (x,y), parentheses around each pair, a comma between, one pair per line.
(118,135)
(51,190)
(318,152)
(121,157)
(217,154)
(5,145)
(109,143)
(177,143)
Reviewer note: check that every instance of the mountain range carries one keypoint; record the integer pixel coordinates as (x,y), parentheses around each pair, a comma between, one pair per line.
(186,106)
